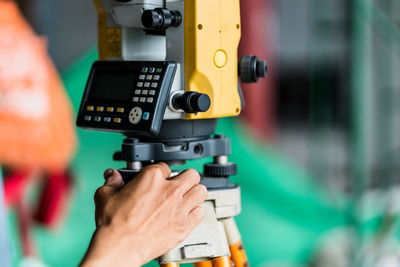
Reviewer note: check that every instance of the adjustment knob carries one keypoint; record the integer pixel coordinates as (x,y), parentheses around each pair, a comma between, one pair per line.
(192,102)
(161,18)
(220,170)
(127,175)
(251,69)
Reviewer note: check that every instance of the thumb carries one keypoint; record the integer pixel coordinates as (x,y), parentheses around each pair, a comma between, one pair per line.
(113,178)
(112,185)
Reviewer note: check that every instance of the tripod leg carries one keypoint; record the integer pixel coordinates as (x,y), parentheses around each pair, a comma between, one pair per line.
(222,262)
(202,264)
(238,254)
(170,264)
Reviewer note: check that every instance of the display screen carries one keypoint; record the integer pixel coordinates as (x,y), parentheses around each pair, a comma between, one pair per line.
(112,85)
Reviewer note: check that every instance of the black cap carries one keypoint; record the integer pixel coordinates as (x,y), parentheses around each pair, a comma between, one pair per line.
(192,102)
(251,69)
(161,18)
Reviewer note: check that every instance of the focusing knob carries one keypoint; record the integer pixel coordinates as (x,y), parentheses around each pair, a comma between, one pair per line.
(251,69)
(192,102)
(220,170)
(161,18)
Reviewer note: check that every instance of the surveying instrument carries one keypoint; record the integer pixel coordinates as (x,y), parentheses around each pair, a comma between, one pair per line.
(168,70)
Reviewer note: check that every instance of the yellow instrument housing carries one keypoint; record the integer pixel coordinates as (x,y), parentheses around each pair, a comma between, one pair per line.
(212,35)
(109,36)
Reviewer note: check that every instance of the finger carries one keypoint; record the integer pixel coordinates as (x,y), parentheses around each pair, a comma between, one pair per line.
(112,185)
(158,170)
(114,179)
(194,219)
(107,173)
(194,197)
(187,179)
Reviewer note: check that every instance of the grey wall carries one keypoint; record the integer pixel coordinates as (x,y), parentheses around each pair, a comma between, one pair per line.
(70,26)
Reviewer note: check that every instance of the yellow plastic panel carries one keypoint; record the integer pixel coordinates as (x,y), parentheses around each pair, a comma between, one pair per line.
(109,37)
(212,35)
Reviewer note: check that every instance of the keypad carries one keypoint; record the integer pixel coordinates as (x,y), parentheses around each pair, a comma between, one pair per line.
(144,96)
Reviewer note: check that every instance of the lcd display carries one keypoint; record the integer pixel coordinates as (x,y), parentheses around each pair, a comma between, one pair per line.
(112,85)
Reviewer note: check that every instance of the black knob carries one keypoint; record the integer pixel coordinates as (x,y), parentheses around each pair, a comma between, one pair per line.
(220,170)
(251,69)
(127,175)
(161,18)
(192,102)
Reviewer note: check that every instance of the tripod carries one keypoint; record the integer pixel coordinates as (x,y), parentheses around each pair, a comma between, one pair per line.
(216,241)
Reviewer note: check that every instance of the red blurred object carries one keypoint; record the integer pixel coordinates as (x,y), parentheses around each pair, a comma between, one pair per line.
(53,198)
(258,38)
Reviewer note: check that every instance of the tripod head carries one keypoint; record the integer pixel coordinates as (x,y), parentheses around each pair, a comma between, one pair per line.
(168,70)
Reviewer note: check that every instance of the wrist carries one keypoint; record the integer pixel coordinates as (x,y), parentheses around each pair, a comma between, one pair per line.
(110,248)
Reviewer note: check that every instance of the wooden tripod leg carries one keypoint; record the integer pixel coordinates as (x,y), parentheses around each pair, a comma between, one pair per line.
(238,254)
(221,262)
(170,264)
(203,264)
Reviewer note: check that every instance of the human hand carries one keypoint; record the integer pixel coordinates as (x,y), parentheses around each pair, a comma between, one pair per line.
(146,218)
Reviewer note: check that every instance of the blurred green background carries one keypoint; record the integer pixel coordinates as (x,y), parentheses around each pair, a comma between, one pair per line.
(323,191)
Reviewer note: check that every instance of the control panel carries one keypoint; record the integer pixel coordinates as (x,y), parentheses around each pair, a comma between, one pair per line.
(126,96)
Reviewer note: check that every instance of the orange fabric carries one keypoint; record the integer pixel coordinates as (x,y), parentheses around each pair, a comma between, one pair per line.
(36,122)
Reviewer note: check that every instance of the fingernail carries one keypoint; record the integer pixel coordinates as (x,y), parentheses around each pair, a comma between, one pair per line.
(108,173)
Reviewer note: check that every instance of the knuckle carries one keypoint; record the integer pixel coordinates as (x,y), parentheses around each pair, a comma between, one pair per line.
(193,176)
(202,191)
(198,214)
(154,171)
(176,190)
(165,166)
